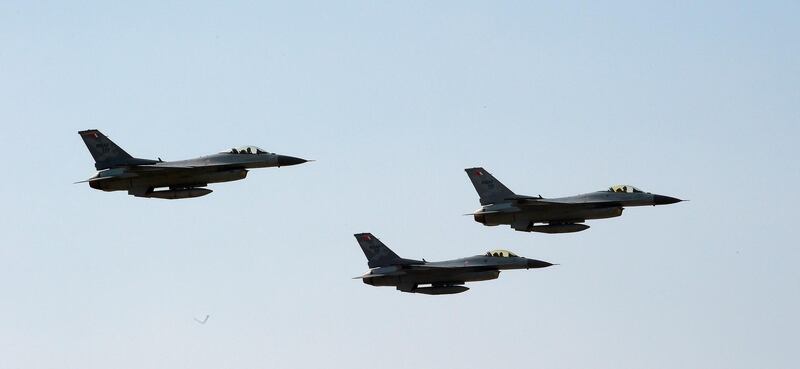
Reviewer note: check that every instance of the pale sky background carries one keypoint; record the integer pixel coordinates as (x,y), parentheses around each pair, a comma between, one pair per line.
(393,99)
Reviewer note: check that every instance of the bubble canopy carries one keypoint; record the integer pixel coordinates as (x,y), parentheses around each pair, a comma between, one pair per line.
(624,188)
(251,150)
(501,254)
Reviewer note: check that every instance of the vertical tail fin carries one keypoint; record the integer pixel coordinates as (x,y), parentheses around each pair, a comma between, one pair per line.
(377,253)
(105,152)
(489,188)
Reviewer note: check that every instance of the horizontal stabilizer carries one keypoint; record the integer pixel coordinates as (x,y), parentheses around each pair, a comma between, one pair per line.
(368,276)
(484,212)
(93,179)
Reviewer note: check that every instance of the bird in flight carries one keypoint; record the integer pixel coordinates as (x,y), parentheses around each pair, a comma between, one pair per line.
(201,321)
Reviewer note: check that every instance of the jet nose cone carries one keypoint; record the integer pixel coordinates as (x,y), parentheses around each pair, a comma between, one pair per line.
(664,200)
(284,160)
(532,263)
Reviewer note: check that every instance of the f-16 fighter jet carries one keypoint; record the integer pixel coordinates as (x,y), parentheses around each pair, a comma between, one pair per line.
(119,171)
(560,215)
(437,278)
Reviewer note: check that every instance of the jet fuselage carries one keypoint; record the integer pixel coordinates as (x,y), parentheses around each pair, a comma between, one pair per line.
(118,171)
(435,278)
(558,215)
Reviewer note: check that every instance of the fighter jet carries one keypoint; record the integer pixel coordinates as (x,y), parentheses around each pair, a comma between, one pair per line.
(499,205)
(119,171)
(437,278)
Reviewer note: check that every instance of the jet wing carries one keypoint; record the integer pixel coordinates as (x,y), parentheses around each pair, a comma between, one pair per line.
(526,201)
(368,276)
(438,267)
(162,168)
(451,266)
(189,166)
(167,166)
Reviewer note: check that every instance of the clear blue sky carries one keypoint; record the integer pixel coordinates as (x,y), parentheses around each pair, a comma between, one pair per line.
(394,99)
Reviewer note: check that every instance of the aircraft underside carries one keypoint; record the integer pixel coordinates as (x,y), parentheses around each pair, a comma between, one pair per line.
(555,221)
(178,185)
(434,283)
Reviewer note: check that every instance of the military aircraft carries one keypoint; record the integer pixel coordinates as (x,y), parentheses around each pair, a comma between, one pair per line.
(119,171)
(499,205)
(439,278)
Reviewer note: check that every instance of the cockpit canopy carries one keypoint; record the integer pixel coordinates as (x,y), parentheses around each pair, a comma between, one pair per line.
(501,254)
(251,150)
(624,188)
